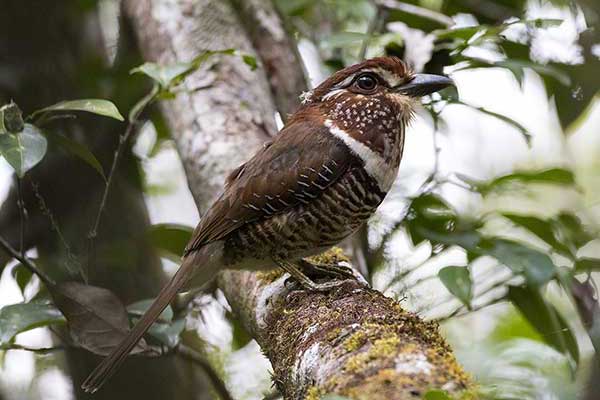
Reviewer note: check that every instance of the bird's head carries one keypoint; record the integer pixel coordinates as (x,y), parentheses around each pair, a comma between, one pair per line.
(369,104)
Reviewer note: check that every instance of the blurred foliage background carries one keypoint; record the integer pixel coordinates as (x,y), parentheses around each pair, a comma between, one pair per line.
(491,228)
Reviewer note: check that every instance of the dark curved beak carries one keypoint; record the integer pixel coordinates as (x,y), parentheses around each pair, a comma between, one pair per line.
(424,84)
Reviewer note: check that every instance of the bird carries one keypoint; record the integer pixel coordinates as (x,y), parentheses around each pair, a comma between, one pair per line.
(321,177)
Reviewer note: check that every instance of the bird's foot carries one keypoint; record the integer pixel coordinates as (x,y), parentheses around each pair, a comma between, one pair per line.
(305,271)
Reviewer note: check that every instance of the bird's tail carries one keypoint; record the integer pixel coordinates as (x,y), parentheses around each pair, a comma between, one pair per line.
(203,265)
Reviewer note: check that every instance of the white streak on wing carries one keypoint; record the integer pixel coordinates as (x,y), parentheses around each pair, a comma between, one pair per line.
(375,165)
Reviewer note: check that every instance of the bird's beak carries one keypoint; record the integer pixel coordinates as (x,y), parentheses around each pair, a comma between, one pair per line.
(424,84)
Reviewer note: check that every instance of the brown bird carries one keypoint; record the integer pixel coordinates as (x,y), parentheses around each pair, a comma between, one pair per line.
(319,180)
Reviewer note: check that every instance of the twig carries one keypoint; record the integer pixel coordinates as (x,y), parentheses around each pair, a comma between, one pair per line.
(216,381)
(373,26)
(123,139)
(54,225)
(22,214)
(39,350)
(27,263)
(416,10)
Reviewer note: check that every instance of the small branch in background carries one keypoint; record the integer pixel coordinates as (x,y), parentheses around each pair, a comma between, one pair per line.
(415,10)
(71,258)
(374,26)
(193,356)
(27,263)
(22,215)
(38,350)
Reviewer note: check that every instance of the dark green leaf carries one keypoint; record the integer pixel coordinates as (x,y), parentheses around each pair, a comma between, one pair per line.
(23,150)
(22,275)
(458,282)
(572,231)
(168,334)
(140,307)
(545,319)
(437,394)
(94,106)
(536,266)
(78,150)
(170,239)
(17,318)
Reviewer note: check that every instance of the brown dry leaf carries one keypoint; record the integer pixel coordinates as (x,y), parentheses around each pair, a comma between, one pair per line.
(96,318)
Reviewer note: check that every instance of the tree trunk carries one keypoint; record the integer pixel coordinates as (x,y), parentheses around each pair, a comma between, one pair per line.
(53,51)
(352,340)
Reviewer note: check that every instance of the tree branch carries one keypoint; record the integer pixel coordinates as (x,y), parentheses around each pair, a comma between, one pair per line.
(351,341)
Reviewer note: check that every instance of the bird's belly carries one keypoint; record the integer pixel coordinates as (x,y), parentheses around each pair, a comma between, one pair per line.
(311,227)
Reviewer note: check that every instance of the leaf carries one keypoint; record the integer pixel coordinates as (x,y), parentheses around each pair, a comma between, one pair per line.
(437,394)
(96,318)
(140,307)
(78,150)
(250,61)
(170,239)
(165,330)
(541,228)
(343,39)
(535,266)
(168,334)
(522,130)
(586,264)
(168,76)
(241,337)
(23,150)
(458,282)
(545,319)
(22,275)
(95,106)
(21,317)
(555,176)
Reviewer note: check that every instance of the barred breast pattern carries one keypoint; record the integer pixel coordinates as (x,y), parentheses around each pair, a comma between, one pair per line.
(312,226)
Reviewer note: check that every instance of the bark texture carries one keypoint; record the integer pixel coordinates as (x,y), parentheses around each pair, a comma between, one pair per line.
(351,341)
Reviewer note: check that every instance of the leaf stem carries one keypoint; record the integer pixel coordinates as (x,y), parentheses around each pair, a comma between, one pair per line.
(218,384)
(123,139)
(27,263)
(22,216)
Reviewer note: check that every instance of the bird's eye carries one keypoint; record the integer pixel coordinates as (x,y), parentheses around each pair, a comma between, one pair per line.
(366,82)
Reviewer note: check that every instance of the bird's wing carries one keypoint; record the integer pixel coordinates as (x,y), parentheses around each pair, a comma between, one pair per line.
(303,160)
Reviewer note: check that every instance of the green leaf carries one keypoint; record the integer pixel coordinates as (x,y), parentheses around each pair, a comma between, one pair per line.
(21,317)
(22,275)
(458,282)
(586,264)
(168,76)
(343,39)
(168,334)
(140,307)
(555,176)
(241,337)
(437,394)
(545,319)
(78,150)
(535,266)
(541,228)
(170,239)
(23,150)
(95,106)
(250,61)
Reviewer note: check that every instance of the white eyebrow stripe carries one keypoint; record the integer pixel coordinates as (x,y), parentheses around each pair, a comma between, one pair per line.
(390,78)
